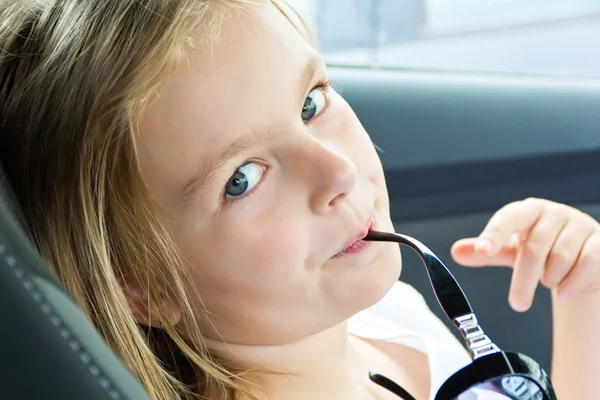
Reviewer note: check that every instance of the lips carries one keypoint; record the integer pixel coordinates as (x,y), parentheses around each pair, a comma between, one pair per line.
(355,243)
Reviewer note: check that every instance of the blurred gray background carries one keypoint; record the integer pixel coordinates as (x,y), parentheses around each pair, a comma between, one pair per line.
(540,37)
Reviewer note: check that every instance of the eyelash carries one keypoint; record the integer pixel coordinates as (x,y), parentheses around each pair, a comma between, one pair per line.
(323,84)
(227,202)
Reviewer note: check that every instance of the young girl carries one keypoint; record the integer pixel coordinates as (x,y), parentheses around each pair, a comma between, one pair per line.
(200,190)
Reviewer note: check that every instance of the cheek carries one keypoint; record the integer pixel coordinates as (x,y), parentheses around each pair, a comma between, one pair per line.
(351,132)
(360,148)
(255,258)
(252,274)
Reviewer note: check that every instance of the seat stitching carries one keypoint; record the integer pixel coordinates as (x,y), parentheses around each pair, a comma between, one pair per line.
(57,321)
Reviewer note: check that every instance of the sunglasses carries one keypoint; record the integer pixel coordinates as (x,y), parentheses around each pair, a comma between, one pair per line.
(493,374)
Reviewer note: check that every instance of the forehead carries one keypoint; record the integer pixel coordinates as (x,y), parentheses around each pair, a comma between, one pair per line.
(222,91)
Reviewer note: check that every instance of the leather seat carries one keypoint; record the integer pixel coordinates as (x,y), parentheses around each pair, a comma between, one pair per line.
(48,349)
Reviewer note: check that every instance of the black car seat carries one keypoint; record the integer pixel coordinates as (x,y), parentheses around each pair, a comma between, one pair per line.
(48,349)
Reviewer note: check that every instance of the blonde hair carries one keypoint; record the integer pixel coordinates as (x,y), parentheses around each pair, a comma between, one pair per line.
(74,77)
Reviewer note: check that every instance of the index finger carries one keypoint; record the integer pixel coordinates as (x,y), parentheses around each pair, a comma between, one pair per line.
(515,217)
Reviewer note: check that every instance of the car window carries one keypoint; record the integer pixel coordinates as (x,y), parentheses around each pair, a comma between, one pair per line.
(534,37)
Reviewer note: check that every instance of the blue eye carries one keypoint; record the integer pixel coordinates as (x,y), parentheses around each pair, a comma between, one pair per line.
(244,179)
(313,105)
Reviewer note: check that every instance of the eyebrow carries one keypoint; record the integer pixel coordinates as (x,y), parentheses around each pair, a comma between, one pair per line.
(246,142)
(312,64)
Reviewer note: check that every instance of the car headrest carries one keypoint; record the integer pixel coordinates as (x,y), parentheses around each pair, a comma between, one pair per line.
(48,349)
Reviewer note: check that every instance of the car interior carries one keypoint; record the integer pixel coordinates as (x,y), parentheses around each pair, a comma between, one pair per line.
(455,146)
(48,350)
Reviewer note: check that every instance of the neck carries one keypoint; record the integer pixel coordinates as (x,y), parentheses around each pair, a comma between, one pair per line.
(324,365)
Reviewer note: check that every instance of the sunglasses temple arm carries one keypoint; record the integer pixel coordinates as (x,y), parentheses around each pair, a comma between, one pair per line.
(390,385)
(449,294)
(447,291)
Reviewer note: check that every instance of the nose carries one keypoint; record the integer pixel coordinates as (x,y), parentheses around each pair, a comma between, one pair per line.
(333,176)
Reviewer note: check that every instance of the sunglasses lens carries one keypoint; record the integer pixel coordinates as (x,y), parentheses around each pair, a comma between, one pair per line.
(513,387)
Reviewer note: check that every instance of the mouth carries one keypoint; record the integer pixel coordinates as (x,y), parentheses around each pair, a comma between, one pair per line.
(356,244)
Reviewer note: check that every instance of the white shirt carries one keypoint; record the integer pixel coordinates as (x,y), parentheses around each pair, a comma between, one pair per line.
(403,317)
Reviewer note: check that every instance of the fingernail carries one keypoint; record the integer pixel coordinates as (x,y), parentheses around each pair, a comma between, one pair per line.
(518,305)
(484,245)
(514,240)
(563,294)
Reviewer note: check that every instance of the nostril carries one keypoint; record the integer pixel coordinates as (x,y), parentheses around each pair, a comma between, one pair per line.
(337,199)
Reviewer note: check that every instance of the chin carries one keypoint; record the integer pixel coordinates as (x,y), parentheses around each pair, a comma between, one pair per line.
(387,269)
(372,287)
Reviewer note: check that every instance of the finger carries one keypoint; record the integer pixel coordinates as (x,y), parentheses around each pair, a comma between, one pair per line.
(516,240)
(531,259)
(564,253)
(586,269)
(463,252)
(516,217)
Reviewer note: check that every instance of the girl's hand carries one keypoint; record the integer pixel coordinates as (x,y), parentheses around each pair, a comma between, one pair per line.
(542,241)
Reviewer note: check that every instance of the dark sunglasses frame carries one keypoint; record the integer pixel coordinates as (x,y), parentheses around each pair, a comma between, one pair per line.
(489,362)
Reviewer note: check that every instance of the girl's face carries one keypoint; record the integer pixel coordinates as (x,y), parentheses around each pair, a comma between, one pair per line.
(267,176)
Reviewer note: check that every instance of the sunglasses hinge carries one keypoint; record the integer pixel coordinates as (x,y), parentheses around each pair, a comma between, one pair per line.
(478,343)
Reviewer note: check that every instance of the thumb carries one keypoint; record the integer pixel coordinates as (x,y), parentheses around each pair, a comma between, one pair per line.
(465,253)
